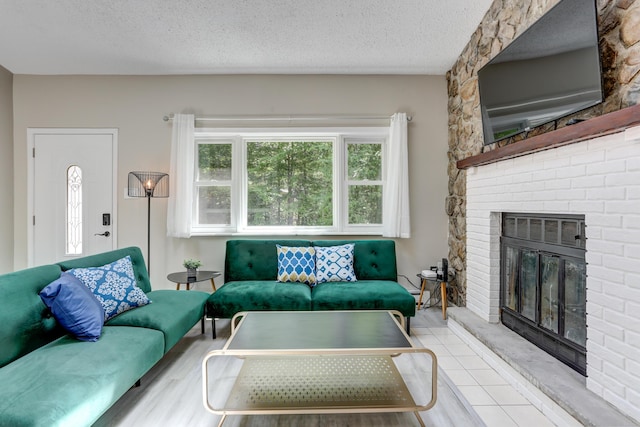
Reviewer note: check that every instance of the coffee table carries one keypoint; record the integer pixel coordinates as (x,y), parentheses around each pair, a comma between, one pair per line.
(315,362)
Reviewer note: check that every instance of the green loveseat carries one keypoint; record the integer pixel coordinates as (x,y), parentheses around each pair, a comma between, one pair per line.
(49,378)
(250,284)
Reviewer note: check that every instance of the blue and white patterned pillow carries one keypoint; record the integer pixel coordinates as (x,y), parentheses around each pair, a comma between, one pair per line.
(335,263)
(114,285)
(296,264)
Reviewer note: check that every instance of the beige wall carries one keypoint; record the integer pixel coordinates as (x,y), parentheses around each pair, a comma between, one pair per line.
(6,171)
(136,104)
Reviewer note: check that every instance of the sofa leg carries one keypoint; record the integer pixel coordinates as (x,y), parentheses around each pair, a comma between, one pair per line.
(213,327)
(408,326)
(138,383)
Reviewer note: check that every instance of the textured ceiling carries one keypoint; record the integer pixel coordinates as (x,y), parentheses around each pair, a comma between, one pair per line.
(235,36)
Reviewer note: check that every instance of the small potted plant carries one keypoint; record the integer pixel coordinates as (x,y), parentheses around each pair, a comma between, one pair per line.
(192,267)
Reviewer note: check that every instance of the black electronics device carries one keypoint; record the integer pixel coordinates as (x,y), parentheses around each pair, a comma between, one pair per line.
(550,71)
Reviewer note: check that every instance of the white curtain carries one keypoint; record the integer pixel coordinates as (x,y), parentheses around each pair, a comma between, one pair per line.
(395,214)
(181,176)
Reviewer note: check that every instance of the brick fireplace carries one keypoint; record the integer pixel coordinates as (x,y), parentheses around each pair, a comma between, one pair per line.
(595,176)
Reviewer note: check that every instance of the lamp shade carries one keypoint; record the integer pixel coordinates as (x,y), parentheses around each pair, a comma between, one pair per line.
(148,184)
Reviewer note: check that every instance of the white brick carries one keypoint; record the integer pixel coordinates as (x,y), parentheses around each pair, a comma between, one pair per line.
(594,337)
(633,193)
(606,168)
(626,178)
(619,374)
(629,293)
(590,181)
(632,280)
(621,151)
(633,404)
(624,207)
(604,246)
(588,157)
(572,194)
(616,193)
(593,258)
(621,263)
(606,355)
(587,206)
(607,220)
(610,302)
(633,164)
(594,286)
(557,163)
(557,184)
(615,323)
(572,171)
(607,329)
(595,310)
(617,235)
(632,221)
(593,232)
(555,207)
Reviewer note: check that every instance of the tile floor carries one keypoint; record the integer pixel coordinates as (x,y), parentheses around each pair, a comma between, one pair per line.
(497,402)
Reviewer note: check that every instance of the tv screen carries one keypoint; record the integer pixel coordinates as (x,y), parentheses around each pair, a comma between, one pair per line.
(550,71)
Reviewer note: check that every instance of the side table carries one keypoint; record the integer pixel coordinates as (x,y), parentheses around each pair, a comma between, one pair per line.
(443,292)
(201,275)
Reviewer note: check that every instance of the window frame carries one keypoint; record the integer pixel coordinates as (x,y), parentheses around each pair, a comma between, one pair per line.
(238,137)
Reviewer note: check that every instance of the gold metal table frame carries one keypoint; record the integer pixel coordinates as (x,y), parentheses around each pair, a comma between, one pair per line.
(320,380)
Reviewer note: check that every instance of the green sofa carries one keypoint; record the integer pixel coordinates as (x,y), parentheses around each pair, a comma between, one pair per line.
(49,378)
(250,281)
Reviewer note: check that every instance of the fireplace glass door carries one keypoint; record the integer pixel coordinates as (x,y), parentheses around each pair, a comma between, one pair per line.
(543,284)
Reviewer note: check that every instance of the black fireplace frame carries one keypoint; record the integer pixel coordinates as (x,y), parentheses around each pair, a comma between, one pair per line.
(565,350)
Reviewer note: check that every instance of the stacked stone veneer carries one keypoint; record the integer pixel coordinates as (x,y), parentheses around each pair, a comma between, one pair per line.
(619,22)
(599,178)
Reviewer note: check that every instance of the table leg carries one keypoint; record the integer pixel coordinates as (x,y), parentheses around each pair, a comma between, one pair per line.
(178,286)
(443,295)
(422,285)
(213,285)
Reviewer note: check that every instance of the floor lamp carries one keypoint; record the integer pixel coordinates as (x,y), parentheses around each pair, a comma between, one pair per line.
(148,184)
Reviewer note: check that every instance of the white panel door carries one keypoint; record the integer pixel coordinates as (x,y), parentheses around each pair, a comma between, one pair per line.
(73,194)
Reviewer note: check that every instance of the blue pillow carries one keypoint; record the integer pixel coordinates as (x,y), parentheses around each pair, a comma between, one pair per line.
(75,307)
(114,285)
(335,263)
(296,264)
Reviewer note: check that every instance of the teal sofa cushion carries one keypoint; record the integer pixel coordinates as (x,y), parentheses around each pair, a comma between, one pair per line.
(139,267)
(258,295)
(26,322)
(363,295)
(172,312)
(83,379)
(254,259)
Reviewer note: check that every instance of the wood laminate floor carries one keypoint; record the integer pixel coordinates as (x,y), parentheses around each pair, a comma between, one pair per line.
(171,394)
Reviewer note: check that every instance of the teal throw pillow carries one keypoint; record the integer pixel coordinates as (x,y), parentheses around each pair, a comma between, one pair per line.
(296,264)
(335,263)
(114,285)
(75,307)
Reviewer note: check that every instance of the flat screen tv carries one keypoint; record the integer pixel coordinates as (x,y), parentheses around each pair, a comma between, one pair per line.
(550,71)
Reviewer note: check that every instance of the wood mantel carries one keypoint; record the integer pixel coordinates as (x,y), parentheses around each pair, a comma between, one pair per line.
(606,124)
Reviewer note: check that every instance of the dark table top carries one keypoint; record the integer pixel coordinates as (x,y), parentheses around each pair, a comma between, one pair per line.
(318,330)
(201,275)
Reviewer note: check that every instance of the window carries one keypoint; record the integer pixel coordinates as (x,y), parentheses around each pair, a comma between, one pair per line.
(300,181)
(74,211)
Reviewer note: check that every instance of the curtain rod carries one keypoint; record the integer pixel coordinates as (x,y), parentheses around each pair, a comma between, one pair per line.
(285,118)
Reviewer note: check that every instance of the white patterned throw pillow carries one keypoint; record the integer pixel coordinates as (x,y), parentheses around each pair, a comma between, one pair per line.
(335,263)
(114,285)
(296,264)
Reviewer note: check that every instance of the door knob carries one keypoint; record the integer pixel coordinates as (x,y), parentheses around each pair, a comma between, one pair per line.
(105,234)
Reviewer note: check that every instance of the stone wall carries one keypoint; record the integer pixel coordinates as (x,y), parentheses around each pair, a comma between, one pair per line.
(619,24)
